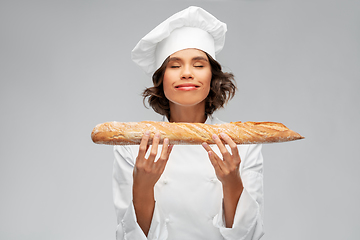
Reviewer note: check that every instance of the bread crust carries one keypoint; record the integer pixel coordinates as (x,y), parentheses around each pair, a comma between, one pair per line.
(130,133)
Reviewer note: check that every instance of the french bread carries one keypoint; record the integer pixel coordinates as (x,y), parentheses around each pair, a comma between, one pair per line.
(130,133)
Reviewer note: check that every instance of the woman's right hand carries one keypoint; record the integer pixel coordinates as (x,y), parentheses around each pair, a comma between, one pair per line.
(146,173)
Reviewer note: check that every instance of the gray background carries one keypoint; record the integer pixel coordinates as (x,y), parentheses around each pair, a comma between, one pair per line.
(65,67)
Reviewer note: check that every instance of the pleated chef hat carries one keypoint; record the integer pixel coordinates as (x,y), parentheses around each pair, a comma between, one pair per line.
(192,27)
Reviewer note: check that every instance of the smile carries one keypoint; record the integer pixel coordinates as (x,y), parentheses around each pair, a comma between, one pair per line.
(187,87)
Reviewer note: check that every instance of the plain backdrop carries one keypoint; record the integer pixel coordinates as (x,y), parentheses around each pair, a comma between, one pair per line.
(65,66)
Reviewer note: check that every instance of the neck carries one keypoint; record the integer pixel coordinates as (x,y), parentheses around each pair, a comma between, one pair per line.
(192,114)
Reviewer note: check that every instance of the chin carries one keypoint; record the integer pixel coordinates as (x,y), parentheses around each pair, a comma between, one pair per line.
(188,102)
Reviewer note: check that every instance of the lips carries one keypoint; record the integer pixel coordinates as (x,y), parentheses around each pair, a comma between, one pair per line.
(187,87)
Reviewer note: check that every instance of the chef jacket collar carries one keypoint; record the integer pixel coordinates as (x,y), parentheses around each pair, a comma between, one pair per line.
(209,119)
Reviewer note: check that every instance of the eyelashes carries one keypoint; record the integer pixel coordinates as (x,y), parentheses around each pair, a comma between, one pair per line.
(176,66)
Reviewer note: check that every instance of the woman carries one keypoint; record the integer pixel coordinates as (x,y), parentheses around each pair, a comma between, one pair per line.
(187,192)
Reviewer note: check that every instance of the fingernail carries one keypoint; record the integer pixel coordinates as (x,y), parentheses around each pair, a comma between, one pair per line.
(166,141)
(222,135)
(147,133)
(214,136)
(157,135)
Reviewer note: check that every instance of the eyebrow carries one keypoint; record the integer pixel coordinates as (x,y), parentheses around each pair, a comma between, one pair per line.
(198,58)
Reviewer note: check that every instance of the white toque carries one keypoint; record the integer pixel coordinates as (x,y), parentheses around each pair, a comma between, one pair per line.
(190,28)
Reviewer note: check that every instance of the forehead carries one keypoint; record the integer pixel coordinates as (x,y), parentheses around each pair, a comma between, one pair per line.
(189,53)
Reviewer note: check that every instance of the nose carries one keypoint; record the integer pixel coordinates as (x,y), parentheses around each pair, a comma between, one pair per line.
(186,73)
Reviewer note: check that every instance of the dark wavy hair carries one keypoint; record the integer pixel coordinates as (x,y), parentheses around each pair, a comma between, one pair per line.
(222,89)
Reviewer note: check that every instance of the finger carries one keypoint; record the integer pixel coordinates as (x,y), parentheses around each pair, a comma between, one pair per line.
(206,146)
(170,149)
(154,148)
(223,150)
(144,145)
(232,145)
(164,150)
(215,162)
(164,156)
(214,158)
(209,149)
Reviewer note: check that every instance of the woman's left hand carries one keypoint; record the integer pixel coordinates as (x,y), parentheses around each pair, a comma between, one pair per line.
(228,172)
(226,169)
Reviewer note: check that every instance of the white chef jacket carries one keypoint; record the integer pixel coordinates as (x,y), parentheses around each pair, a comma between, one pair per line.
(188,196)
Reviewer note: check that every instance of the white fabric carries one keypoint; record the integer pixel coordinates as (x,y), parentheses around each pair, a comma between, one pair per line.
(189,196)
(144,53)
(184,38)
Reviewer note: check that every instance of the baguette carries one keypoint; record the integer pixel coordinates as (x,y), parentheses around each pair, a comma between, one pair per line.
(130,133)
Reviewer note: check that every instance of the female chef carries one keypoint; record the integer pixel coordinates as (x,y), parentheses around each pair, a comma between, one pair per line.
(187,192)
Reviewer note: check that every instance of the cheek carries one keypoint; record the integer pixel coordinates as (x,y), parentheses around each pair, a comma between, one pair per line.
(167,84)
(168,75)
(208,81)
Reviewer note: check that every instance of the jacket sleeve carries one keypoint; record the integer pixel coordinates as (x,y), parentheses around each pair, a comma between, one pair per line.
(127,227)
(249,215)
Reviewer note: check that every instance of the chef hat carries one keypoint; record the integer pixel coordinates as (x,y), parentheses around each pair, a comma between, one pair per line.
(192,27)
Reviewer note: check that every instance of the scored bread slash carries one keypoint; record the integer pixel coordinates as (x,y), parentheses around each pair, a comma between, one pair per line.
(130,133)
